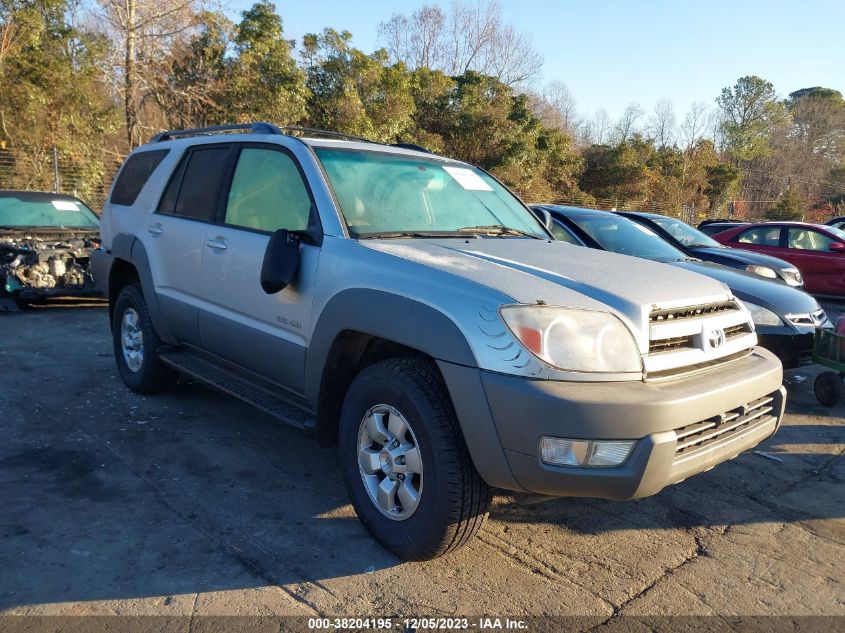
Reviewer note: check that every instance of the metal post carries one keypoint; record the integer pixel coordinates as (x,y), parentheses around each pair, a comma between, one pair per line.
(55,170)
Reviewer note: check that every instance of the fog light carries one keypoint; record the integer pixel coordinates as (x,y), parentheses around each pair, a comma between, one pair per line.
(596,453)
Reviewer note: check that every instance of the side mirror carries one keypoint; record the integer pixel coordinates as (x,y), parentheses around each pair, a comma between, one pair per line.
(545,217)
(281,260)
(836,247)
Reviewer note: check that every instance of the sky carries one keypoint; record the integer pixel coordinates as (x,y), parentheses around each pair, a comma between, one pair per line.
(612,52)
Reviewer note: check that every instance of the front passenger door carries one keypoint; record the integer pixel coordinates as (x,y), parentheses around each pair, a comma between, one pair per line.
(264,333)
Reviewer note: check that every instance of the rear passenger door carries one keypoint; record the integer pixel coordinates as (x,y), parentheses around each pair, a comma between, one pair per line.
(174,235)
(761,239)
(264,333)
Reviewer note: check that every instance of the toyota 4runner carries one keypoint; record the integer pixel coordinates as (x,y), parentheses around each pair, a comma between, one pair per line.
(410,309)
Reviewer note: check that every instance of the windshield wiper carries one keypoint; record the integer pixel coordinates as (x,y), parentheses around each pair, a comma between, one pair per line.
(498,229)
(381,235)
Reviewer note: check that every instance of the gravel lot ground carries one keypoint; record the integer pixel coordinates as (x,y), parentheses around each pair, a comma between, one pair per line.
(194,503)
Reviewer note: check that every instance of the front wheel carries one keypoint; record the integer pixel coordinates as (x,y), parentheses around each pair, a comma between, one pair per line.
(405,463)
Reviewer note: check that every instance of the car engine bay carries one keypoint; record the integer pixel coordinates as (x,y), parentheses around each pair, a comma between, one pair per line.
(34,264)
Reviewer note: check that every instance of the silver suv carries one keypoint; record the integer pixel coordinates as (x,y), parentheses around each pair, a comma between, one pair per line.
(410,308)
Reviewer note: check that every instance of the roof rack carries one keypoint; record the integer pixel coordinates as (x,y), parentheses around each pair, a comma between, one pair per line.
(260,127)
(327,133)
(413,146)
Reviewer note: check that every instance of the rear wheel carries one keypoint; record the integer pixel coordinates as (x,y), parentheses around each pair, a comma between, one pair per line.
(136,345)
(405,463)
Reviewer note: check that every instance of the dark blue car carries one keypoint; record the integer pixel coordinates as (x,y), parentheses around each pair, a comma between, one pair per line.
(700,245)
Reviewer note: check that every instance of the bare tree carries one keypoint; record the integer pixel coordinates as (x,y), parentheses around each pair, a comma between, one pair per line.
(470,36)
(599,130)
(698,124)
(141,30)
(662,125)
(556,108)
(629,123)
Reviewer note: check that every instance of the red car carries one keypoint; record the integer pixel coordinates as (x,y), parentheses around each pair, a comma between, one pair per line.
(817,250)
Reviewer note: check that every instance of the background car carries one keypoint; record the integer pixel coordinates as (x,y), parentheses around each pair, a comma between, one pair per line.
(697,244)
(711,227)
(817,250)
(785,318)
(45,243)
(838,223)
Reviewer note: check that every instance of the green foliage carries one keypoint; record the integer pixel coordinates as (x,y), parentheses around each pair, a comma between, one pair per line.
(790,206)
(264,81)
(52,95)
(722,179)
(749,109)
(356,93)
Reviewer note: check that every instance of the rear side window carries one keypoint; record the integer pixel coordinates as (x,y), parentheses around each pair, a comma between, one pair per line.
(193,189)
(134,175)
(761,235)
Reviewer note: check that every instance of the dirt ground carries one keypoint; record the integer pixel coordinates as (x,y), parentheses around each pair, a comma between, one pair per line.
(193,503)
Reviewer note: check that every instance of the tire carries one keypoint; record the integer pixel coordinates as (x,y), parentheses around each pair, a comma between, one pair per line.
(143,373)
(451,498)
(828,388)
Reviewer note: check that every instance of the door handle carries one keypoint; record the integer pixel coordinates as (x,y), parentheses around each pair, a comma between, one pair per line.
(218,244)
(155,229)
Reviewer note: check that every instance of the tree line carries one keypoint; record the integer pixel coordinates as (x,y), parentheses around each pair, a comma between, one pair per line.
(84,81)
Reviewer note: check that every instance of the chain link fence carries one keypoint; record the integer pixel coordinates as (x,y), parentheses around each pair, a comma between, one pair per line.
(49,170)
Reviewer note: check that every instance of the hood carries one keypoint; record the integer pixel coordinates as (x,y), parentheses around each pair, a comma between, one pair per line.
(773,295)
(558,273)
(741,256)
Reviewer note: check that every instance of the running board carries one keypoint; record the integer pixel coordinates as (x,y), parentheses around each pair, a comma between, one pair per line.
(239,383)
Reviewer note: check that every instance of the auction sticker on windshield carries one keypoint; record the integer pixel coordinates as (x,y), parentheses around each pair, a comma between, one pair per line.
(467,179)
(65,205)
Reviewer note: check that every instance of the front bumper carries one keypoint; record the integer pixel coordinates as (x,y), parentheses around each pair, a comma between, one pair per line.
(100,262)
(656,414)
(792,348)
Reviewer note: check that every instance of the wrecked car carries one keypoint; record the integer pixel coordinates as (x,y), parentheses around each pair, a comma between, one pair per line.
(45,242)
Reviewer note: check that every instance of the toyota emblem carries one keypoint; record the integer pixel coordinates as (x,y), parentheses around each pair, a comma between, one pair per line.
(716,338)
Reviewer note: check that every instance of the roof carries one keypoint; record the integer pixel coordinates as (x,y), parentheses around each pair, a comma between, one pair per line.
(37,196)
(569,210)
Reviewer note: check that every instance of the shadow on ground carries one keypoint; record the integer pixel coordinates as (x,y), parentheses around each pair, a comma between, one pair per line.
(108,495)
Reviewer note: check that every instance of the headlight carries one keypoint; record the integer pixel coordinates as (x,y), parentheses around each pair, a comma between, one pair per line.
(793,277)
(762,316)
(763,271)
(574,340)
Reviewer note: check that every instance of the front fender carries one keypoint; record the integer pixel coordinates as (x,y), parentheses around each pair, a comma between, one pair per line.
(387,316)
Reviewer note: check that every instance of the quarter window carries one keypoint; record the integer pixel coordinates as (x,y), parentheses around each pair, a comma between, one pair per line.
(267,193)
(134,175)
(761,236)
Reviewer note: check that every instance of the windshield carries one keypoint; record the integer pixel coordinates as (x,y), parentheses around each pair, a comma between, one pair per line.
(381,193)
(44,211)
(620,235)
(684,233)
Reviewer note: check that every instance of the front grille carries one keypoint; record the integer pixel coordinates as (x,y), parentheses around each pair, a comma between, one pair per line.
(701,435)
(670,344)
(692,312)
(737,330)
(814,319)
